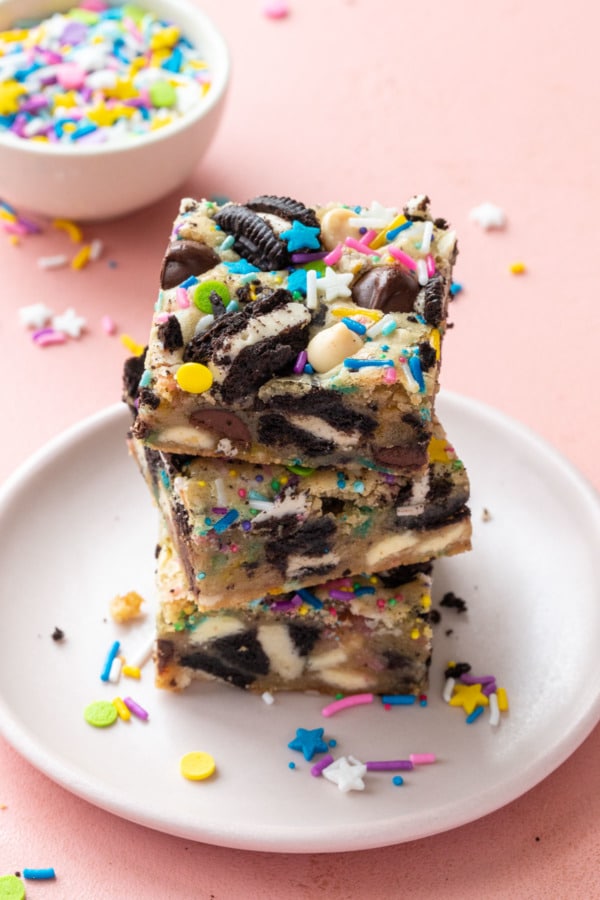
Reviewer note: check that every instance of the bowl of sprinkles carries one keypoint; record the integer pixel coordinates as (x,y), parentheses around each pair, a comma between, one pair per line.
(105,106)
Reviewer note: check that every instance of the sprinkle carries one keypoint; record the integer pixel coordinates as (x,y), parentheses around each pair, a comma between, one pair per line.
(430,262)
(194,378)
(494,710)
(69,323)
(354,700)
(334,255)
(467,678)
(108,325)
(301,237)
(221,492)
(352,363)
(398,780)
(422,759)
(318,767)
(448,689)
(359,247)
(73,230)
(35,316)
(399,699)
(268,698)
(354,326)
(472,717)
(291,765)
(502,700)
(133,347)
(100,714)
(422,274)
(52,262)
(197,766)
(310,598)
(181,298)
(115,670)
(488,216)
(131,672)
(104,675)
(135,708)
(308,742)
(517,268)
(376,216)
(300,362)
(427,235)
(389,376)
(455,288)
(223,524)
(308,257)
(11,887)
(403,257)
(347,773)
(39,874)
(334,284)
(122,711)
(96,248)
(275,9)
(414,364)
(389,765)
(49,337)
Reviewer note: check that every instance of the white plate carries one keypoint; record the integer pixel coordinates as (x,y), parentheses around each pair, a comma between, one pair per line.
(77,527)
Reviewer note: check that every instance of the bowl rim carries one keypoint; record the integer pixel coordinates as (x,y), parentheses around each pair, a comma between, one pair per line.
(219,84)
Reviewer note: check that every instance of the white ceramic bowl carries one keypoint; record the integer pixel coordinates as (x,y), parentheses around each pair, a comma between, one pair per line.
(104,181)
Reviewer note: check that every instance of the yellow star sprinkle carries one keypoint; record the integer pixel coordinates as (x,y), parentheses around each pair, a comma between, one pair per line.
(438,451)
(165,38)
(68,100)
(10,91)
(124,89)
(468,696)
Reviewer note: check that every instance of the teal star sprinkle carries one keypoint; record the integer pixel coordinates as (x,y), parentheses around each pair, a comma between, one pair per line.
(297,281)
(301,237)
(309,742)
(241,267)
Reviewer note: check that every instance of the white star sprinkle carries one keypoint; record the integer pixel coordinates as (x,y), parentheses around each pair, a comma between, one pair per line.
(377,216)
(347,773)
(488,216)
(69,323)
(334,284)
(35,316)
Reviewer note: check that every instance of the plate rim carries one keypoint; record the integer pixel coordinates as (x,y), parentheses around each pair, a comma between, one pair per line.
(273,839)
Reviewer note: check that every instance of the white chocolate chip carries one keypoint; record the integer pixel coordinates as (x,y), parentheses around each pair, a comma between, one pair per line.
(335,227)
(330,347)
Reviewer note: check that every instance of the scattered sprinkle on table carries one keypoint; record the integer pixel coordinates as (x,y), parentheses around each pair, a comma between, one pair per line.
(100,714)
(488,215)
(39,874)
(197,765)
(11,888)
(345,703)
(308,742)
(276,9)
(518,268)
(92,76)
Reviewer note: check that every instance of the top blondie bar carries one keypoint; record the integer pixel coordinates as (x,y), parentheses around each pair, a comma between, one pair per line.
(297,335)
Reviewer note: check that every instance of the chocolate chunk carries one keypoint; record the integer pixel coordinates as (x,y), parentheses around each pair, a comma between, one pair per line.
(255,240)
(388,288)
(184,259)
(286,208)
(409,456)
(169,333)
(223,424)
(303,636)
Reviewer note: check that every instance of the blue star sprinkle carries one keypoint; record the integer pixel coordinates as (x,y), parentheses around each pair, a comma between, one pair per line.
(297,281)
(241,267)
(309,742)
(301,237)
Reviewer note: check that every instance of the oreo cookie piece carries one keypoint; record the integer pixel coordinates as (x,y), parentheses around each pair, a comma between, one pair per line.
(170,335)
(184,259)
(388,288)
(284,207)
(255,240)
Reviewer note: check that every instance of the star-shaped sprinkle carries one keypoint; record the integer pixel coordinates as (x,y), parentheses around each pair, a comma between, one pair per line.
(334,284)
(69,323)
(35,316)
(297,281)
(376,216)
(309,742)
(488,216)
(241,267)
(347,773)
(301,237)
(468,696)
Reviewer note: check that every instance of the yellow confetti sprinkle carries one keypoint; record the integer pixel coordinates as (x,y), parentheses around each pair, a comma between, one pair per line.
(502,699)
(73,230)
(438,451)
(426,601)
(197,766)
(381,239)
(131,672)
(415,634)
(121,709)
(82,258)
(15,34)
(130,344)
(194,378)
(518,268)
(10,91)
(435,340)
(345,311)
(165,39)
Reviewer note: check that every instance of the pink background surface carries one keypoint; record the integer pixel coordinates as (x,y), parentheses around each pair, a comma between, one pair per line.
(356,101)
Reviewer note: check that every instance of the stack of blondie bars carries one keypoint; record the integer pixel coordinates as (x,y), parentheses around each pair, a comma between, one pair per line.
(284,421)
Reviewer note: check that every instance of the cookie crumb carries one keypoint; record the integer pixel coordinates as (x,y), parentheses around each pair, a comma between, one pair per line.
(125,607)
(58,634)
(451,601)
(486,515)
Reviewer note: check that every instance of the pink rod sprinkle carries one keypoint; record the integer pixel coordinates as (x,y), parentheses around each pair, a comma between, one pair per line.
(403,257)
(334,256)
(359,246)
(368,236)
(422,759)
(430,262)
(135,708)
(49,338)
(345,703)
(161,318)
(322,764)
(389,375)
(108,325)
(183,300)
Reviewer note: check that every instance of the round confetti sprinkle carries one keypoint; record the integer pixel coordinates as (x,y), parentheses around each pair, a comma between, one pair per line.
(11,888)
(397,780)
(100,713)
(202,295)
(194,378)
(197,766)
